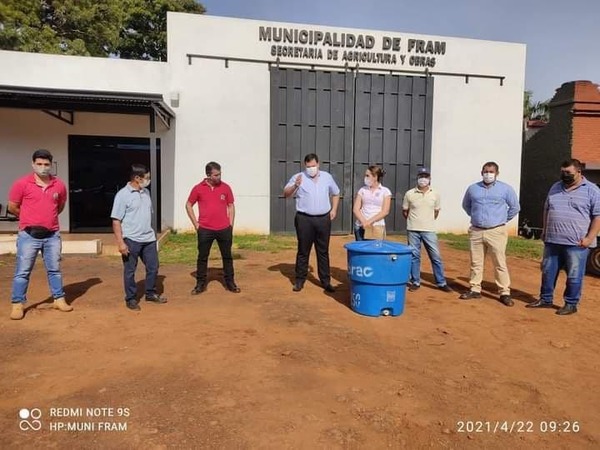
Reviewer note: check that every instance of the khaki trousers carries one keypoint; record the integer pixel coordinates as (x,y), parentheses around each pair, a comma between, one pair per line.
(494,242)
(375,232)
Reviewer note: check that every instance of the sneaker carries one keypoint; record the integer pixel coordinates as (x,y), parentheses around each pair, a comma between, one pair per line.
(155,298)
(445,288)
(470,295)
(298,285)
(62,305)
(17,312)
(133,305)
(414,287)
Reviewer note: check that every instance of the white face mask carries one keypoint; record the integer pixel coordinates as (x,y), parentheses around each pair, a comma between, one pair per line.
(368,181)
(312,171)
(145,183)
(42,171)
(422,182)
(489,178)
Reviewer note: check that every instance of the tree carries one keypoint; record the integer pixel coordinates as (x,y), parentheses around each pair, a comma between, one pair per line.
(144,34)
(70,27)
(125,28)
(535,110)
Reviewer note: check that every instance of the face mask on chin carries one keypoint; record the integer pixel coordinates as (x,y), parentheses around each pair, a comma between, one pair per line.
(422,182)
(312,171)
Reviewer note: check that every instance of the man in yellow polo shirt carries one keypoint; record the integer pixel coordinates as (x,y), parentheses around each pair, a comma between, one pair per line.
(420,207)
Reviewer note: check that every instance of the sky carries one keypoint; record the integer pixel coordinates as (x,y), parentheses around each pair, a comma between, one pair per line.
(562,36)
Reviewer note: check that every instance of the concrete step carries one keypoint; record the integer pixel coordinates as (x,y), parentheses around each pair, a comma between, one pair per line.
(74,246)
(8,246)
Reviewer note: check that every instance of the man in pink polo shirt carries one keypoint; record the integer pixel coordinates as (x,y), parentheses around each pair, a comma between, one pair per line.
(216,213)
(37,199)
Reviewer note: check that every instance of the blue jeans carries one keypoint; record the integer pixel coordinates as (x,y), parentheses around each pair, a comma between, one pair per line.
(430,241)
(573,260)
(359,233)
(27,250)
(147,252)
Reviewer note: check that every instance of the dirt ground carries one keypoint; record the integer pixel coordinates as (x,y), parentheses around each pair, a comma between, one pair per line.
(271,368)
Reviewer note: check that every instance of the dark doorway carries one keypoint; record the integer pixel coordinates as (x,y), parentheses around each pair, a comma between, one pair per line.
(98,167)
(350,120)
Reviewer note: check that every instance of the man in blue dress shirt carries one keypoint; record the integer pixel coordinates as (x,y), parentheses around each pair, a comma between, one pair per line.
(490,204)
(317,198)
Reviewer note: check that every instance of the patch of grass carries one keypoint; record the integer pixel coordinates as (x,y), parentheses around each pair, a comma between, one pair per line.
(264,243)
(181,248)
(525,248)
(517,246)
(457,241)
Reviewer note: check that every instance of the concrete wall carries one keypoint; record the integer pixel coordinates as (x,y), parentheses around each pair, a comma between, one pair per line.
(224,112)
(78,72)
(22,131)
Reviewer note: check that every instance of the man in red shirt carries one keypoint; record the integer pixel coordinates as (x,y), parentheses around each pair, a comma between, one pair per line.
(216,213)
(37,199)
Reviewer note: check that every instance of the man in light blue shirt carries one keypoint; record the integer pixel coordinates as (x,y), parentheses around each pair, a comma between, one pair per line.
(317,198)
(490,204)
(132,225)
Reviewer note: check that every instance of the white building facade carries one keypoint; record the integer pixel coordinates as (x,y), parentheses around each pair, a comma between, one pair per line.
(256,97)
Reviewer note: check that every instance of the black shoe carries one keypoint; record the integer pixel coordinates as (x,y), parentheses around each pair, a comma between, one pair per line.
(567,309)
(470,295)
(540,304)
(414,287)
(133,305)
(232,287)
(445,288)
(298,285)
(155,298)
(199,289)
(329,288)
(506,300)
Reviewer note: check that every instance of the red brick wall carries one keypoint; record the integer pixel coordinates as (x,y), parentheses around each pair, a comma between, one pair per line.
(573,132)
(586,123)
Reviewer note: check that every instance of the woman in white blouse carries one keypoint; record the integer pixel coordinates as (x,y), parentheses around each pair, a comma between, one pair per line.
(371,206)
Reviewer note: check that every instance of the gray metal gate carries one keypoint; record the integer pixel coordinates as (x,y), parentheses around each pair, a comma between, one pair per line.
(351,120)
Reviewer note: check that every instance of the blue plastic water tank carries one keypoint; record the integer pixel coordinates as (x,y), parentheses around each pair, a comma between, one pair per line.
(378,272)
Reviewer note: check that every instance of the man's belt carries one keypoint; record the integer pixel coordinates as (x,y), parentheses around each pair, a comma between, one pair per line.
(312,215)
(490,228)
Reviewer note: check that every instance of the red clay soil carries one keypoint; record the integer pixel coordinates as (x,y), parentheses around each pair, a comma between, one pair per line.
(271,368)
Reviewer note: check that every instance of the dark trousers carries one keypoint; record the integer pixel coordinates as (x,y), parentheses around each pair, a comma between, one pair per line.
(313,230)
(224,239)
(146,251)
